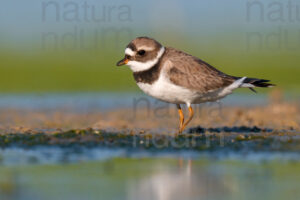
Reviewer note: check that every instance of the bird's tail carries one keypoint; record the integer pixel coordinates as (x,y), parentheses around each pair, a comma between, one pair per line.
(255,82)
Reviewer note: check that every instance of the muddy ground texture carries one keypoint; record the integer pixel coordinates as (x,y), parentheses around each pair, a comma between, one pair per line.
(271,127)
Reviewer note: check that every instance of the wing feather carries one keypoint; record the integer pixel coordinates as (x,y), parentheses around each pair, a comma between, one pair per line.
(190,72)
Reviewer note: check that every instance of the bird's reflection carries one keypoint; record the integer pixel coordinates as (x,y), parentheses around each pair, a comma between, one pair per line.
(179,182)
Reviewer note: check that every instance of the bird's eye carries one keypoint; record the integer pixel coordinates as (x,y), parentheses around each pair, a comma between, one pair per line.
(127,57)
(141,52)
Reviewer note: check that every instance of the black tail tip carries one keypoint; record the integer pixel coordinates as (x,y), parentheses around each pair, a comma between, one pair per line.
(259,82)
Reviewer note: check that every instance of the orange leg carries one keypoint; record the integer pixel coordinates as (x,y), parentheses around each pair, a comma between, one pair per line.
(181,117)
(191,114)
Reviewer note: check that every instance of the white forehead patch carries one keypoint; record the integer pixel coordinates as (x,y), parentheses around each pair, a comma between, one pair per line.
(136,66)
(128,51)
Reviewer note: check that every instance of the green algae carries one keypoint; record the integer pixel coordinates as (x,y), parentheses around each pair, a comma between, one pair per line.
(209,141)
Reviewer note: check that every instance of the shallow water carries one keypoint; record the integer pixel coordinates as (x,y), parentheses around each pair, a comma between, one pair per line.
(55,155)
(153,178)
(119,173)
(102,101)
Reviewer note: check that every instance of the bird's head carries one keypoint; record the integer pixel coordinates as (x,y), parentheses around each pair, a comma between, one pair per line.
(142,53)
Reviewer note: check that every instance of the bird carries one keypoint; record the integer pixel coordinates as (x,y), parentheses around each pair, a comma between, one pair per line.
(176,77)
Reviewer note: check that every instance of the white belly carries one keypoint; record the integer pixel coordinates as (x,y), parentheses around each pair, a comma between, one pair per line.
(164,90)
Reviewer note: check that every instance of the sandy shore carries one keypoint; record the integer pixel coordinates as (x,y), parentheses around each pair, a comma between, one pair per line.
(276,116)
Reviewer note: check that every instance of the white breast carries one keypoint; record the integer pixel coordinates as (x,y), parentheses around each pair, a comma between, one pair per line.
(165,90)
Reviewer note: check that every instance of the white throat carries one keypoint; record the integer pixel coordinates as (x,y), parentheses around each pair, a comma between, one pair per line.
(136,66)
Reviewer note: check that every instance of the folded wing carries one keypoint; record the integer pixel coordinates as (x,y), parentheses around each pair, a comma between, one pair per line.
(190,72)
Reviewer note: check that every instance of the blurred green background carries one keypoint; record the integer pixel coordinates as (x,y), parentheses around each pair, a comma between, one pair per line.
(73,46)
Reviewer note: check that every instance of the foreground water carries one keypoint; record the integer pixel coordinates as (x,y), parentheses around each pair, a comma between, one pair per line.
(68,173)
(153,178)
